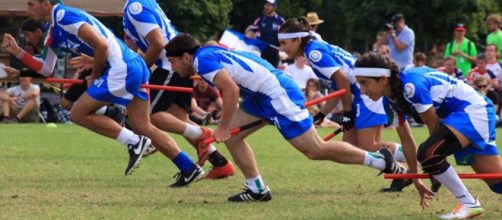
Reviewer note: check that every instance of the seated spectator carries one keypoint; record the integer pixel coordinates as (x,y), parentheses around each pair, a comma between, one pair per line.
(379,41)
(206,103)
(312,92)
(419,60)
(450,67)
(493,64)
(20,103)
(482,85)
(384,50)
(300,72)
(481,71)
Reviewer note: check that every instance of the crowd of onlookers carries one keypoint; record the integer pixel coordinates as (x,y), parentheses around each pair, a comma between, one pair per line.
(475,63)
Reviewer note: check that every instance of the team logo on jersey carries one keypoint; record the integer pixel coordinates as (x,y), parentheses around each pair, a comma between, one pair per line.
(135,8)
(409,90)
(315,55)
(60,15)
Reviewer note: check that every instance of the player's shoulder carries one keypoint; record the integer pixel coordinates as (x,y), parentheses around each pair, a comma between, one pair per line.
(136,7)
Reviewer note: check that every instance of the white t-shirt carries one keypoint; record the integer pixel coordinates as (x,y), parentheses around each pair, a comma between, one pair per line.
(300,76)
(496,69)
(16,91)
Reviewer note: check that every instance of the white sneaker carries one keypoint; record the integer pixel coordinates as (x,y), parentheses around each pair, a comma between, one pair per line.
(464,211)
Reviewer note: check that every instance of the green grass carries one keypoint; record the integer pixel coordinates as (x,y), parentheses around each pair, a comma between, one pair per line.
(71,173)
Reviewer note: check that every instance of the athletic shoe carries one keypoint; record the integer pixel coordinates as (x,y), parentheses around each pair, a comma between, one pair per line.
(149,150)
(221,172)
(464,211)
(117,113)
(183,179)
(136,152)
(390,165)
(435,185)
(250,196)
(397,185)
(203,149)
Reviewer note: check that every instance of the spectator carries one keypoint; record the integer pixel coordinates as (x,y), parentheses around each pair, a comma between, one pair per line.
(495,37)
(266,27)
(493,64)
(419,60)
(314,23)
(482,85)
(450,67)
(300,72)
(401,41)
(462,48)
(207,103)
(20,103)
(311,92)
(379,41)
(384,50)
(436,56)
(481,71)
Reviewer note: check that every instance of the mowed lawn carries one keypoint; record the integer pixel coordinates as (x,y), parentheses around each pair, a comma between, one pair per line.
(71,173)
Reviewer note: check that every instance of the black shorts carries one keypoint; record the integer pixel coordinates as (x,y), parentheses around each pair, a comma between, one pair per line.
(161,100)
(76,90)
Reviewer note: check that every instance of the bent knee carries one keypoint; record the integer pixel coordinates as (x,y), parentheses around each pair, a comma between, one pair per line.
(497,188)
(313,154)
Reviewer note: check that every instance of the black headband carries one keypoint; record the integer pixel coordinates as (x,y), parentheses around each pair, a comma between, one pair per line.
(179,53)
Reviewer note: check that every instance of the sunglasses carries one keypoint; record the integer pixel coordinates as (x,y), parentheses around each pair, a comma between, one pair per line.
(482,86)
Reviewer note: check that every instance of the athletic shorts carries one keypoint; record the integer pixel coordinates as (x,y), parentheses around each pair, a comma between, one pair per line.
(121,82)
(76,90)
(161,100)
(285,111)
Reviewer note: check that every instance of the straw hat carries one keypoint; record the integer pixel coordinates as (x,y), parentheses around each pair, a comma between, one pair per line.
(313,18)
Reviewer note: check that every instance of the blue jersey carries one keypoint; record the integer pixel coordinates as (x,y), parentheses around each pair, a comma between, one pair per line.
(268,26)
(252,74)
(63,35)
(143,16)
(456,103)
(326,59)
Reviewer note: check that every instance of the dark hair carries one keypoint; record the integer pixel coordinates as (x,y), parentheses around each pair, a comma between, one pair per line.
(379,61)
(300,24)
(481,56)
(312,80)
(419,56)
(183,43)
(32,25)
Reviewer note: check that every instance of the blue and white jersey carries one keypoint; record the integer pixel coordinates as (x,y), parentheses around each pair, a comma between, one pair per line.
(143,16)
(252,74)
(63,35)
(456,103)
(267,93)
(326,59)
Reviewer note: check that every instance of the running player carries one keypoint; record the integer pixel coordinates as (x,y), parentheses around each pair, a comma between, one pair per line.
(149,28)
(117,75)
(460,122)
(363,118)
(267,94)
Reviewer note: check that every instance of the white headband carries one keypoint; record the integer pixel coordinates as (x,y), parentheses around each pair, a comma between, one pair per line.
(372,72)
(281,36)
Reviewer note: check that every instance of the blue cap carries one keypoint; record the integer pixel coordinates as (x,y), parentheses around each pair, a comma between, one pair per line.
(273,2)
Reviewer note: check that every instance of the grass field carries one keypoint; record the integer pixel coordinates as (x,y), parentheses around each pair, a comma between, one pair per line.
(71,173)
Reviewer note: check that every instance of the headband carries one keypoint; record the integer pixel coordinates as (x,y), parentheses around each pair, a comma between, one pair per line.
(180,52)
(281,36)
(372,72)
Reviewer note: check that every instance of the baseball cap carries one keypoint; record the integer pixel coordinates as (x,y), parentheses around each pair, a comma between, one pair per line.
(272,2)
(460,27)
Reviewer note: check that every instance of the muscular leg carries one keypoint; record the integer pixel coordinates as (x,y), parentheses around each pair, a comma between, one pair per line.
(83,113)
(488,164)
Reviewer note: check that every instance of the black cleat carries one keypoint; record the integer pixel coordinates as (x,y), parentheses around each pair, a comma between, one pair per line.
(397,185)
(183,179)
(136,152)
(390,165)
(435,185)
(117,113)
(250,196)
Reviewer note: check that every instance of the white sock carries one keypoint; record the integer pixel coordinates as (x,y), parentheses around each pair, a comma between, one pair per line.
(192,131)
(127,137)
(372,160)
(256,184)
(212,149)
(398,154)
(455,185)
(102,110)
